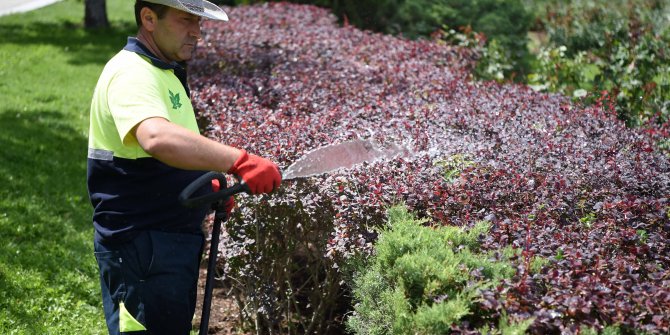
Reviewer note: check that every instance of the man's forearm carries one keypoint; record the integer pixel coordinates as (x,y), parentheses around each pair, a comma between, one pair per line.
(181,148)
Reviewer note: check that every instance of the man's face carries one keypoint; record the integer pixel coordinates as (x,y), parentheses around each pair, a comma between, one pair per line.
(176,34)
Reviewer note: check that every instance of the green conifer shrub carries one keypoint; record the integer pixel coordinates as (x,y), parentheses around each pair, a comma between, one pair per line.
(422,280)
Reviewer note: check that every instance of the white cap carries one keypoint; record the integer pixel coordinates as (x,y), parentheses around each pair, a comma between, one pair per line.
(196,7)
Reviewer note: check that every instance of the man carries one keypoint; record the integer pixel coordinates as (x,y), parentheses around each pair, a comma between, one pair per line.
(144,148)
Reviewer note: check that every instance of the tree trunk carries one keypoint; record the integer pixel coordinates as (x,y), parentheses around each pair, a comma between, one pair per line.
(96,14)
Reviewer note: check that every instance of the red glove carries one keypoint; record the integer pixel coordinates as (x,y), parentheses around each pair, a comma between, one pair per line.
(230,203)
(260,174)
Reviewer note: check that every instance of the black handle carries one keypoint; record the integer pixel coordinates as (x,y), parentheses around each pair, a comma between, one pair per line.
(211,267)
(220,216)
(204,180)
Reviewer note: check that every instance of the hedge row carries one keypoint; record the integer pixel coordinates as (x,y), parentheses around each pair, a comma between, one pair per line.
(562,182)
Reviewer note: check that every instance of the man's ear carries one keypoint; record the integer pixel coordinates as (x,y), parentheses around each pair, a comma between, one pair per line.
(149,18)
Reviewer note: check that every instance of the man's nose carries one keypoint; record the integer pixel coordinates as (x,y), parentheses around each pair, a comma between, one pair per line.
(196,32)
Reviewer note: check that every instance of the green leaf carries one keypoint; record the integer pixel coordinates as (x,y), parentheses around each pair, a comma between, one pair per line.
(579,93)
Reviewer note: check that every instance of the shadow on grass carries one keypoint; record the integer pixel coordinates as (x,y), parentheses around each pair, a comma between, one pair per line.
(43,154)
(86,46)
(45,224)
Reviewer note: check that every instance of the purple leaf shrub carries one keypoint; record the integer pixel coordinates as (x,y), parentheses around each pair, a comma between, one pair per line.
(561,181)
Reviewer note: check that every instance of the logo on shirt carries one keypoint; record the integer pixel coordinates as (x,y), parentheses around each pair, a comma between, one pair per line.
(174,98)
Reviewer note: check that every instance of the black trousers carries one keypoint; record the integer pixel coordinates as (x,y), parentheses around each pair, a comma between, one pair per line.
(149,284)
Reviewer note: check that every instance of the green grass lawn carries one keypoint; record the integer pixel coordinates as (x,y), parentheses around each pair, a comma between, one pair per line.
(49,65)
